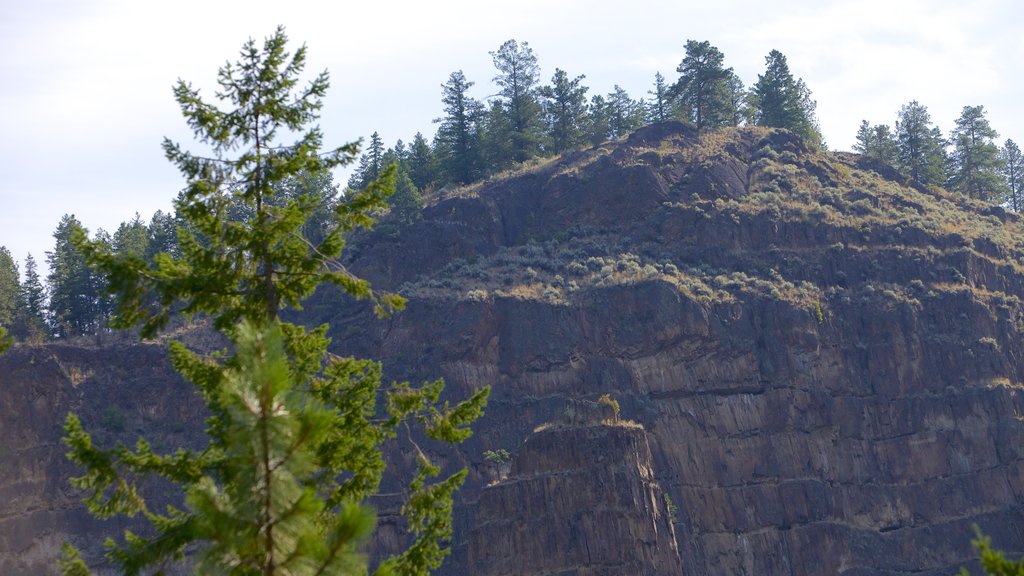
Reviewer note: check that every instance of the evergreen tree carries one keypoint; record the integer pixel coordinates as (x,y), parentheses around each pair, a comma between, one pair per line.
(495,136)
(599,123)
(1013,174)
(294,433)
(738,110)
(316,192)
(975,160)
(565,110)
(781,101)
(407,202)
(162,235)
(994,562)
(863,142)
(75,300)
(922,149)
(34,299)
(132,237)
(877,142)
(399,151)
(517,79)
(11,302)
(702,88)
(886,148)
(420,162)
(371,164)
(624,114)
(661,109)
(456,146)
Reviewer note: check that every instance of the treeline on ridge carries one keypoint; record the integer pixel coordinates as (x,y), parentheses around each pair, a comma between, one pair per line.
(523,121)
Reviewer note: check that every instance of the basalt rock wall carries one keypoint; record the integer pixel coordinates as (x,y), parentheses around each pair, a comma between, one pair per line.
(823,361)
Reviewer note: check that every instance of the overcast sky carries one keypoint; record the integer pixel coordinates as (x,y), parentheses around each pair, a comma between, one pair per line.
(86,98)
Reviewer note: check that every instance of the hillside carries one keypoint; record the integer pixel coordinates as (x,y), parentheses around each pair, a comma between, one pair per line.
(820,363)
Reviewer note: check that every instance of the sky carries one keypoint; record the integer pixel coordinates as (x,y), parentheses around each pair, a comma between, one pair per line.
(86,100)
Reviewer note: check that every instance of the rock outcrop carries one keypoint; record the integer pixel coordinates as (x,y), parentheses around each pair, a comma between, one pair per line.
(579,500)
(826,361)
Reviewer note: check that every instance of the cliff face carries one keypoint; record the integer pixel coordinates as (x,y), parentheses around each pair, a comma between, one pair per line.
(579,500)
(826,362)
(119,391)
(826,358)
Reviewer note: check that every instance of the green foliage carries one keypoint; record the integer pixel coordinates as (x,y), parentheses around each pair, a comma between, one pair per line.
(993,561)
(457,144)
(33,325)
(11,300)
(607,400)
(661,109)
(499,456)
(624,114)
(1013,174)
(420,162)
(75,289)
(599,128)
(5,341)
(703,85)
(782,101)
(517,78)
(371,164)
(295,434)
(921,147)
(565,111)
(877,142)
(975,159)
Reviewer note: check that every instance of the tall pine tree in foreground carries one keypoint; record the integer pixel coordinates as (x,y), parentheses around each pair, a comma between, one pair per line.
(295,434)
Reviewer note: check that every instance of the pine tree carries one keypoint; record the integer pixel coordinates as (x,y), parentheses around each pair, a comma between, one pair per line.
(661,109)
(74,288)
(11,303)
(371,164)
(132,237)
(922,149)
(863,141)
(738,110)
(877,142)
(599,124)
(407,201)
(975,160)
(702,86)
(624,114)
(162,235)
(34,299)
(495,137)
(518,75)
(565,110)
(295,434)
(421,163)
(782,101)
(456,146)
(1013,174)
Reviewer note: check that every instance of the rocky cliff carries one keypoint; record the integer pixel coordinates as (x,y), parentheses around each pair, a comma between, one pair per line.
(824,362)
